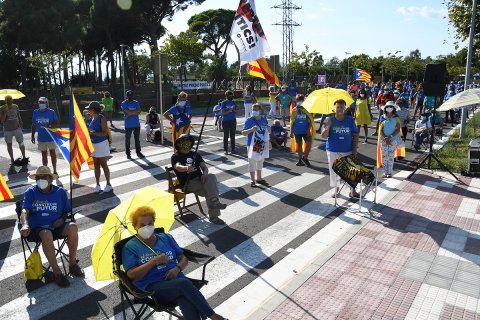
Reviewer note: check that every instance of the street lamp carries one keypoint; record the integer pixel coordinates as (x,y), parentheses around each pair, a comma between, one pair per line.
(348,67)
(123,69)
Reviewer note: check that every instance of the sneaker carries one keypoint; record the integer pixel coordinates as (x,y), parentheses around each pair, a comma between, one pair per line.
(61,281)
(140,155)
(300,163)
(416,147)
(129,156)
(97,189)
(225,153)
(307,163)
(218,205)
(108,188)
(76,271)
(216,220)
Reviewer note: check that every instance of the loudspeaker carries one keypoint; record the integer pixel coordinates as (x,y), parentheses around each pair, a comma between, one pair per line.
(435,78)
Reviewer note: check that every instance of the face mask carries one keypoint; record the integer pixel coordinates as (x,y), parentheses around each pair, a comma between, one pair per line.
(283,90)
(255,113)
(389,109)
(299,104)
(395,95)
(423,118)
(362,95)
(146,231)
(42,106)
(42,184)
(182,103)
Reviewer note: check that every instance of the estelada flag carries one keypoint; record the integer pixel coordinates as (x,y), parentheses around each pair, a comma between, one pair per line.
(5,193)
(247,33)
(181,125)
(399,152)
(312,131)
(81,147)
(362,75)
(260,69)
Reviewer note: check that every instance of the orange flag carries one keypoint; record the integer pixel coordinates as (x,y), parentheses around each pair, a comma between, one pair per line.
(5,193)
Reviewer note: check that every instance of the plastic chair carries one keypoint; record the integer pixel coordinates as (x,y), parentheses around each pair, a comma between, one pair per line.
(132,295)
(179,194)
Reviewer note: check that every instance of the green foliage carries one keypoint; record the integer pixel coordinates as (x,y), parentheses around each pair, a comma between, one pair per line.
(306,63)
(459,16)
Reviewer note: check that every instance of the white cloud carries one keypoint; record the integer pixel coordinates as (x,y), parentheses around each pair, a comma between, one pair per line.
(425,12)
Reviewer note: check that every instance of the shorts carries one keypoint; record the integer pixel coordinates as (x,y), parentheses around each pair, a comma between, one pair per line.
(285,112)
(101,149)
(44,146)
(254,165)
(304,136)
(57,233)
(17,133)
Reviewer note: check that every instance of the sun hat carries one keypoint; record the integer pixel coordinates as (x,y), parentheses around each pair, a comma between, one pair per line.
(390,104)
(43,171)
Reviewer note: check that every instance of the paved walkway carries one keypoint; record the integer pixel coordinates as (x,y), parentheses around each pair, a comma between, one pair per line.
(418,259)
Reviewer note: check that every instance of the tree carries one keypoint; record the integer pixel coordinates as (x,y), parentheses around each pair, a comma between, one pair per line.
(213,27)
(459,16)
(306,63)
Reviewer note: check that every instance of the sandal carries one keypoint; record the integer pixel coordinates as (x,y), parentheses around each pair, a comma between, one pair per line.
(253,184)
(262,182)
(61,280)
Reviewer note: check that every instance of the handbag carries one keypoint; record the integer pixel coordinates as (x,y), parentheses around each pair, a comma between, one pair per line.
(33,266)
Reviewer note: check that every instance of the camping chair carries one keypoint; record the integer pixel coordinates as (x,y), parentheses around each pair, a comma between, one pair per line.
(32,241)
(133,295)
(179,194)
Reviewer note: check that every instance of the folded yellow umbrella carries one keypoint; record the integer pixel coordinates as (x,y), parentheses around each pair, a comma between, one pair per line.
(118,226)
(321,101)
(11,92)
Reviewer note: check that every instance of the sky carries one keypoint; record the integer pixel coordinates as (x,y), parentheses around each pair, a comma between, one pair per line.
(373,27)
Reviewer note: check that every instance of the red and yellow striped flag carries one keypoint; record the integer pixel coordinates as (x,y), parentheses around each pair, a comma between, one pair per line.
(260,69)
(81,146)
(5,193)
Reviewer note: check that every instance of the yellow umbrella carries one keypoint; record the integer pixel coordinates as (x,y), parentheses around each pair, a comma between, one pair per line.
(11,92)
(321,101)
(117,226)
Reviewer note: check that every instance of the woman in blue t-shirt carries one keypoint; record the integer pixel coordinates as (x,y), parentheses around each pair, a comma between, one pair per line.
(342,140)
(180,116)
(250,99)
(154,262)
(301,131)
(98,130)
(257,130)
(229,121)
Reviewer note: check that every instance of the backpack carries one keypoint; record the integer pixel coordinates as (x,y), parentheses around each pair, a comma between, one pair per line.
(20,162)
(157,135)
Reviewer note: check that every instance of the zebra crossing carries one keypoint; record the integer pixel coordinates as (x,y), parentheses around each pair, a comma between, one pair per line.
(263,224)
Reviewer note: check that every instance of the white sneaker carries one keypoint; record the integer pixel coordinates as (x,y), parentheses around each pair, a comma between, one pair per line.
(98,189)
(108,188)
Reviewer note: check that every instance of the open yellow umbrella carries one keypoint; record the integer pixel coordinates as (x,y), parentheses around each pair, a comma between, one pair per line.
(321,101)
(11,92)
(118,226)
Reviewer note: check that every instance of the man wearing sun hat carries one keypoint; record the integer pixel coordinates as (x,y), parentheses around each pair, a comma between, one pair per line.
(45,209)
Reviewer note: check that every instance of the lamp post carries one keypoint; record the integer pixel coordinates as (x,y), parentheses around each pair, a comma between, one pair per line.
(123,69)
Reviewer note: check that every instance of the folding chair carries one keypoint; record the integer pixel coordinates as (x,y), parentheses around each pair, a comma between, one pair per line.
(179,194)
(133,295)
(27,242)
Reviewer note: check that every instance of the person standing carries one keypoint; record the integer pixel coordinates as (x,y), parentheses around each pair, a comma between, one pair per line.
(285,101)
(418,99)
(107,101)
(292,89)
(450,114)
(273,103)
(43,118)
(404,115)
(98,129)
(180,116)
(389,138)
(131,111)
(12,127)
(342,140)
(152,121)
(229,121)
(250,99)
(363,113)
(257,130)
(302,132)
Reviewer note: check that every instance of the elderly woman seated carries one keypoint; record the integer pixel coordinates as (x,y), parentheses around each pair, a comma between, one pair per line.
(154,262)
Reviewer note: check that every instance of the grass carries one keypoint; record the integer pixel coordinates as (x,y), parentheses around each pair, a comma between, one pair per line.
(454,153)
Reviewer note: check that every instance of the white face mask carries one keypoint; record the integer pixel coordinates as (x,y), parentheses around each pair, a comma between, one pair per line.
(146,231)
(42,184)
(389,110)
(182,103)
(299,103)
(362,95)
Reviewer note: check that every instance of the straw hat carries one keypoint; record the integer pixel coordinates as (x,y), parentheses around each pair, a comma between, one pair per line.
(43,171)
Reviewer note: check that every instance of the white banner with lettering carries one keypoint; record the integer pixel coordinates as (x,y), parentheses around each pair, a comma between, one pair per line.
(247,33)
(191,85)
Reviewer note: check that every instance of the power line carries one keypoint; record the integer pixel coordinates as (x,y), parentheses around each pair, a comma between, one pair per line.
(287,23)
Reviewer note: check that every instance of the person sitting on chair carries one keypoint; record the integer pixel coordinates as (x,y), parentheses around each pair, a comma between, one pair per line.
(422,130)
(45,209)
(279,135)
(154,262)
(152,122)
(192,173)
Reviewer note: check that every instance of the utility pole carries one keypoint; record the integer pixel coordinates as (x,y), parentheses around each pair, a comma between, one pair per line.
(287,24)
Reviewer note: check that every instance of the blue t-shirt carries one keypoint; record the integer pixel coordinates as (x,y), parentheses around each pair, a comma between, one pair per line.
(278,131)
(181,116)
(251,122)
(97,127)
(448,95)
(301,123)
(389,125)
(340,138)
(420,97)
(292,90)
(132,121)
(41,119)
(228,105)
(217,110)
(136,253)
(429,101)
(285,100)
(45,208)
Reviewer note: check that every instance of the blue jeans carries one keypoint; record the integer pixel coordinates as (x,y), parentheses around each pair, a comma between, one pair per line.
(193,304)
(419,137)
(136,137)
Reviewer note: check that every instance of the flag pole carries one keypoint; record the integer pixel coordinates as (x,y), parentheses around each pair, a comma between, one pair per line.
(72,127)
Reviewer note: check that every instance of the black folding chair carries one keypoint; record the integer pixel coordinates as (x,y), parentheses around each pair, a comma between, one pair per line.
(33,241)
(133,295)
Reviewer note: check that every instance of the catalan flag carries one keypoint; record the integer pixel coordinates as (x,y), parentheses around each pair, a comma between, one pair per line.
(5,193)
(260,69)
(399,152)
(80,144)
(362,75)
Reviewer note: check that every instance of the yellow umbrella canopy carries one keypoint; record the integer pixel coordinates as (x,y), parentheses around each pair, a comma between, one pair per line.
(11,92)
(463,99)
(117,226)
(321,101)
